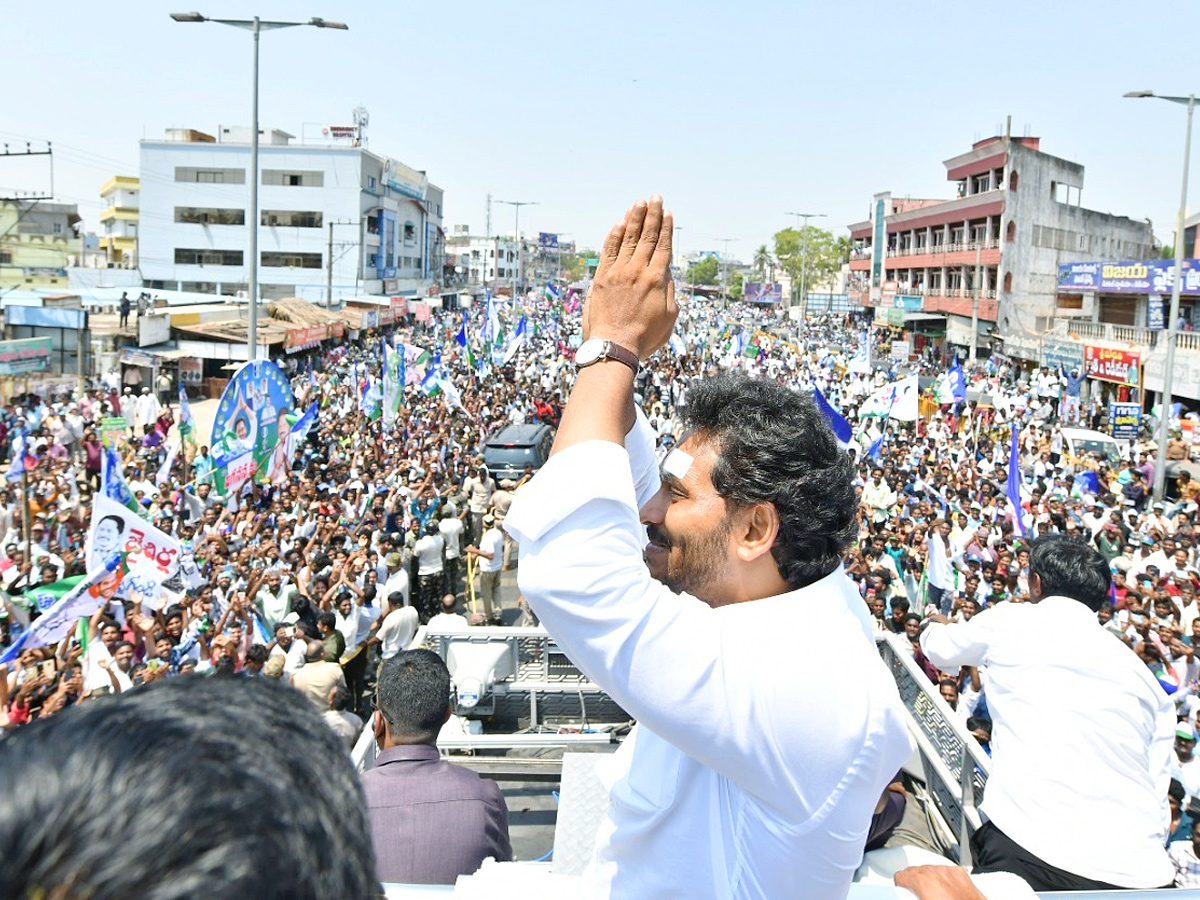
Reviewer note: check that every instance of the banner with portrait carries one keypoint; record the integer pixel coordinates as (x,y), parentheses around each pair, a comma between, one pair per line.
(251,417)
(148,556)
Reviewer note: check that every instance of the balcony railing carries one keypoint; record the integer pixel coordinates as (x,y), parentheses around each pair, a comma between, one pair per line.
(960,247)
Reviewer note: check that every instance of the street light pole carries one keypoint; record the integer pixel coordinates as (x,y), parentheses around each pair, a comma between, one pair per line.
(804,260)
(255,26)
(1164,418)
(516,205)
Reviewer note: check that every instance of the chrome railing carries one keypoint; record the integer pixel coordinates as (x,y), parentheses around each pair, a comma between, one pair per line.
(955,768)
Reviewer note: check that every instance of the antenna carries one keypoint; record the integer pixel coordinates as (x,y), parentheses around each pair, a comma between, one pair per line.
(361,119)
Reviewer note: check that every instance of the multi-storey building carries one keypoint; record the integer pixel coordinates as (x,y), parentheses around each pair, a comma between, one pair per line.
(120,221)
(327,211)
(37,243)
(480,261)
(992,252)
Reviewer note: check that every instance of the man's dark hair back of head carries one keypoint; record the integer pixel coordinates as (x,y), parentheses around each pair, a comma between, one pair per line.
(774,445)
(189,787)
(413,695)
(1070,569)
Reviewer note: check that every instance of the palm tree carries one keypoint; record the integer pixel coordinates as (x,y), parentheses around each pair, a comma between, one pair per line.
(762,259)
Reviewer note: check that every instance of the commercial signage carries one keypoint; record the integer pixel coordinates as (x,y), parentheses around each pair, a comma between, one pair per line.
(889,291)
(1151,276)
(340,132)
(1067,354)
(299,338)
(400,306)
(191,370)
(908,302)
(1069,301)
(131,356)
(760,292)
(22,357)
(879,241)
(1125,419)
(547,241)
(1154,312)
(1107,364)
(900,351)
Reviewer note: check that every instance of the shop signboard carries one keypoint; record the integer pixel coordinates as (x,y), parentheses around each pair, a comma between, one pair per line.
(1068,354)
(762,292)
(1108,364)
(1151,276)
(191,370)
(25,356)
(299,338)
(1154,312)
(1125,420)
(900,351)
(908,302)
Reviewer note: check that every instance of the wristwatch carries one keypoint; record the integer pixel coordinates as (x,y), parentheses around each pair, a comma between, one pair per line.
(596,349)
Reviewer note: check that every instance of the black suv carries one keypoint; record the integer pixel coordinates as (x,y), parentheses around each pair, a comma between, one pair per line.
(510,449)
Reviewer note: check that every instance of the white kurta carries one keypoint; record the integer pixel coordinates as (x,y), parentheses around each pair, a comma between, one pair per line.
(761,749)
(1081,738)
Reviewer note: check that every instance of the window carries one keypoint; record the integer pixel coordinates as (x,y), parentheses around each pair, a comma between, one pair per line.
(5,257)
(189,257)
(291,260)
(210,176)
(371,182)
(199,287)
(1007,282)
(277,291)
(208,215)
(58,228)
(410,232)
(1013,180)
(292,218)
(1010,233)
(287,178)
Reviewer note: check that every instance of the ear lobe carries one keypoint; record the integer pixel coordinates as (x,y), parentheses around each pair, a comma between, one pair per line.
(757,526)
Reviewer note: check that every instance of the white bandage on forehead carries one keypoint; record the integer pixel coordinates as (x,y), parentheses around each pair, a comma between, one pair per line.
(676,464)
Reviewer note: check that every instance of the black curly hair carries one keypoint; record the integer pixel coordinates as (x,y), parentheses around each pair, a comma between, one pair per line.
(775,446)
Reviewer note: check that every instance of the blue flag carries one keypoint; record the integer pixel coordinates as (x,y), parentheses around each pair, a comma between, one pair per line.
(841,428)
(958,383)
(1014,481)
(875,451)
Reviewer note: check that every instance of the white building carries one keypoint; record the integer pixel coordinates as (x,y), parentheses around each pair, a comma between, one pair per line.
(383,218)
(478,260)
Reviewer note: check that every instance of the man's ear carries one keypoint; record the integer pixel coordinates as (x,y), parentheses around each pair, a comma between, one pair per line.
(755,528)
(379,725)
(1035,586)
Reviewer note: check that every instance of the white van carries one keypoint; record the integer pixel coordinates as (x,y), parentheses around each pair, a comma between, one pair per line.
(1081,441)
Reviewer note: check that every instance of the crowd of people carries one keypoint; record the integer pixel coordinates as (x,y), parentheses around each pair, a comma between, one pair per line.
(316,577)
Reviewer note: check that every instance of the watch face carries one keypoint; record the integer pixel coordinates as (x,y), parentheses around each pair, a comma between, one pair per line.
(589,351)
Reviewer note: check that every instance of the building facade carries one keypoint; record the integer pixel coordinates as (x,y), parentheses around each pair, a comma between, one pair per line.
(479,261)
(990,255)
(38,241)
(327,213)
(119,220)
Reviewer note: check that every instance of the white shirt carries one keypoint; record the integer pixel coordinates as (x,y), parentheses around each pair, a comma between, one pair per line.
(1081,732)
(397,630)
(941,575)
(751,772)
(492,542)
(397,581)
(1187,865)
(428,551)
(451,530)
(444,622)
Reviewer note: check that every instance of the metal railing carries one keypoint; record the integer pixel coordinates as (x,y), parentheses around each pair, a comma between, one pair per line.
(939,249)
(955,768)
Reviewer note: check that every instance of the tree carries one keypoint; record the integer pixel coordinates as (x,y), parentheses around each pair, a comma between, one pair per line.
(762,262)
(575,264)
(736,286)
(706,271)
(824,253)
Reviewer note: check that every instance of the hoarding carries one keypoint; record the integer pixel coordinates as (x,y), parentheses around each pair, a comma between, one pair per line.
(1107,364)
(1125,419)
(547,241)
(24,356)
(1151,276)
(760,292)
(249,423)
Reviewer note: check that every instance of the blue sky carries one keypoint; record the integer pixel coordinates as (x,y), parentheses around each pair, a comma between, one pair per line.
(736,113)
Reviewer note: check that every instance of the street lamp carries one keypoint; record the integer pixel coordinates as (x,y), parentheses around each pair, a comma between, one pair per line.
(804,260)
(516,205)
(255,26)
(1160,461)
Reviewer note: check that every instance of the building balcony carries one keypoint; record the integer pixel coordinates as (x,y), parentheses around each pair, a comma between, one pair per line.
(1121,334)
(959,302)
(860,265)
(121,213)
(938,249)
